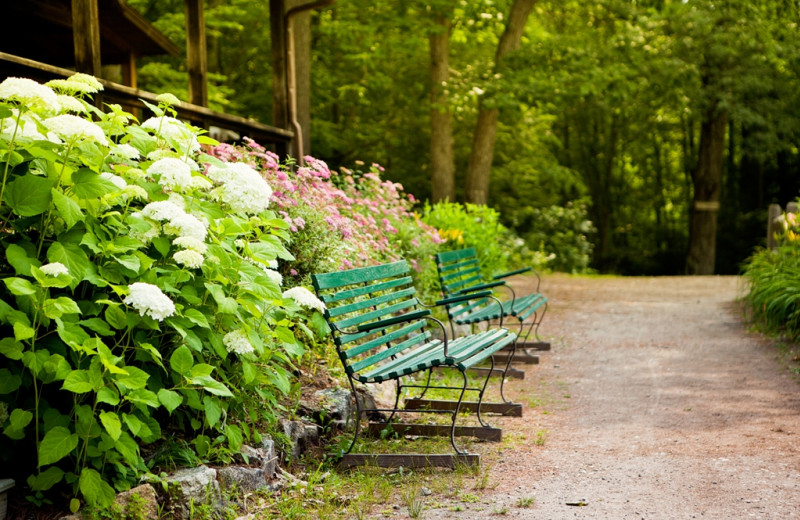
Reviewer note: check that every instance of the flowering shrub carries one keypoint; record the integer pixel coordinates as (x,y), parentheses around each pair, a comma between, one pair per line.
(341,219)
(471,225)
(137,292)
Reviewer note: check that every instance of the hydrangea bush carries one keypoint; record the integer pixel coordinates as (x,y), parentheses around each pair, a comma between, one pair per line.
(139,296)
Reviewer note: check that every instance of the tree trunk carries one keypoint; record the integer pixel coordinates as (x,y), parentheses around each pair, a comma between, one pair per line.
(442,162)
(707,183)
(482,153)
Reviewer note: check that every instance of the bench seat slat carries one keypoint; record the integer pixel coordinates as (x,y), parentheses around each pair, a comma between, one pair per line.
(380,339)
(382,355)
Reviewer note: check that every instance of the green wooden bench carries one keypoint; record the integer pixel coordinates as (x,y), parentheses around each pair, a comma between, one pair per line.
(460,274)
(382,332)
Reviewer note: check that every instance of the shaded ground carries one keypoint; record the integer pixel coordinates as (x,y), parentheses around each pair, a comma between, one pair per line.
(655,402)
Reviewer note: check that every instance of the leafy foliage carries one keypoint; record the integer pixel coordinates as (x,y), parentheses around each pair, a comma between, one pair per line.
(136,293)
(774,276)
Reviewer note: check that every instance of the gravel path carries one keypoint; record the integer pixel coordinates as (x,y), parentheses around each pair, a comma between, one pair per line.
(654,403)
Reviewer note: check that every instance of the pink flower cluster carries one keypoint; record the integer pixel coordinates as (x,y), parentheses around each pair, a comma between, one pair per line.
(362,211)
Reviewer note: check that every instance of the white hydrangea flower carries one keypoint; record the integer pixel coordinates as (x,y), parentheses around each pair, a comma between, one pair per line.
(30,93)
(149,299)
(70,104)
(304,298)
(191,243)
(242,187)
(72,127)
(236,341)
(221,174)
(273,264)
(86,79)
(162,210)
(54,269)
(201,183)
(133,191)
(27,128)
(186,225)
(189,258)
(125,151)
(168,99)
(275,276)
(134,174)
(116,180)
(146,236)
(173,173)
(175,130)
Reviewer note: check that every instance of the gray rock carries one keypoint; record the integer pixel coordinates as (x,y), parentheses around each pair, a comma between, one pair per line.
(242,478)
(263,457)
(336,403)
(146,506)
(301,436)
(194,486)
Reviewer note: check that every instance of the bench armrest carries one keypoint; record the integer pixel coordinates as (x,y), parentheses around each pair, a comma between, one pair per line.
(512,273)
(480,287)
(462,298)
(394,320)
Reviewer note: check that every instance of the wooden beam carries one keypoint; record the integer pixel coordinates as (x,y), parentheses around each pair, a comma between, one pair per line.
(410,460)
(508,409)
(86,36)
(196,56)
(511,373)
(486,433)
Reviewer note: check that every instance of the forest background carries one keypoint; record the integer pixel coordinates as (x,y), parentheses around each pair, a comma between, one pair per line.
(674,123)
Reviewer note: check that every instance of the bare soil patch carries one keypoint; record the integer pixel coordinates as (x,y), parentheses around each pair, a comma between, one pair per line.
(656,402)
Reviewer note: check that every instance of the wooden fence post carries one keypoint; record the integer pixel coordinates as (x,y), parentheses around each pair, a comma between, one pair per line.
(772,227)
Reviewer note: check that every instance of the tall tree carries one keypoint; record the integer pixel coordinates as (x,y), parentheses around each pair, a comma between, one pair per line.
(483,140)
(442,159)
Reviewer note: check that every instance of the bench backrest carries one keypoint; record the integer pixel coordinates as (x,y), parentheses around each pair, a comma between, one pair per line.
(458,270)
(363,297)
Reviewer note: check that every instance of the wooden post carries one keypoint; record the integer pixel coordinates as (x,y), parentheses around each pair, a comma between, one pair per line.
(773,213)
(86,36)
(196,57)
(280,98)
(280,95)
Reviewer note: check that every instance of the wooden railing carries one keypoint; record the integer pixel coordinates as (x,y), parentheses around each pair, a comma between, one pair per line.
(276,139)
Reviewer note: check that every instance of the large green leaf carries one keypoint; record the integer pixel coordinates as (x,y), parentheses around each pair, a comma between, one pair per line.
(181,360)
(46,479)
(94,489)
(212,386)
(19,260)
(55,308)
(135,378)
(29,195)
(89,185)
(111,423)
(68,209)
(19,286)
(78,381)
(72,256)
(213,410)
(17,422)
(11,349)
(57,444)
(170,399)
